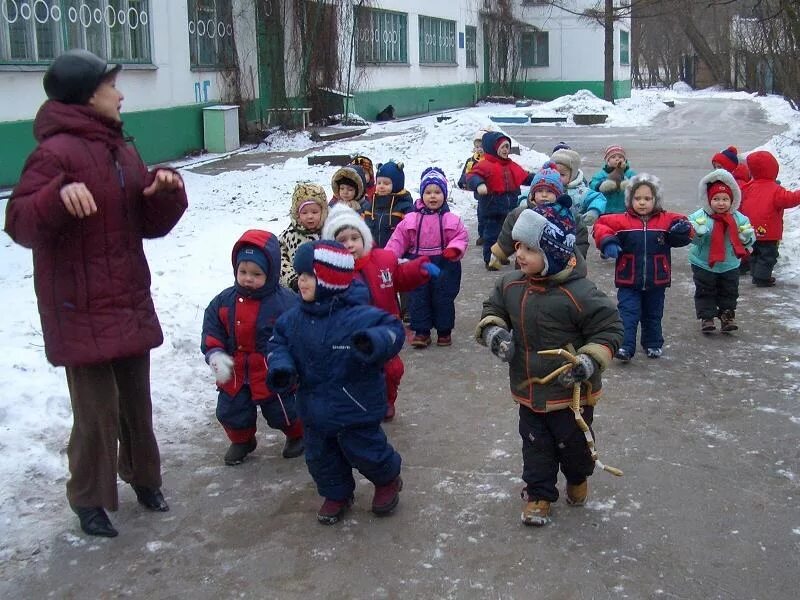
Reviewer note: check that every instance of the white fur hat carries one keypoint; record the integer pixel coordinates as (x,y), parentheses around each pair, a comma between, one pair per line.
(341,217)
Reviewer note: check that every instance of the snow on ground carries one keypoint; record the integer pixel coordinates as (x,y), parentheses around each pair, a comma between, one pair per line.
(192,264)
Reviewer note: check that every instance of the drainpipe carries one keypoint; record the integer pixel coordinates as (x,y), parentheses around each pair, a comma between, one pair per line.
(350,60)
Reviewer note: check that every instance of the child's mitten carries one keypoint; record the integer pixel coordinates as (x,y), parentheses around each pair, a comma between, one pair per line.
(494,263)
(431,269)
(745,232)
(451,254)
(680,227)
(281,380)
(617,174)
(623,185)
(700,226)
(590,217)
(500,342)
(612,250)
(221,365)
(365,343)
(608,185)
(580,372)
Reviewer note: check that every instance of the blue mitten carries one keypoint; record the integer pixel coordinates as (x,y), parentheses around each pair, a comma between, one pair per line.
(681,227)
(281,380)
(612,250)
(364,344)
(500,342)
(432,269)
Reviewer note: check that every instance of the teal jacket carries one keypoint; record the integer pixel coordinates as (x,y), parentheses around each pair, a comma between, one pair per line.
(614,191)
(703,225)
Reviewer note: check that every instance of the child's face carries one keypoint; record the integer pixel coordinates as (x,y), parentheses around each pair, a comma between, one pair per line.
(307,284)
(531,262)
(503,149)
(347,192)
(543,196)
(310,216)
(720,202)
(716,165)
(616,160)
(477,147)
(250,276)
(565,172)
(383,186)
(643,201)
(433,197)
(351,239)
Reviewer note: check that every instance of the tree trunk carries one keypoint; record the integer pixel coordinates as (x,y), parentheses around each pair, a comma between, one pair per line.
(716,63)
(608,75)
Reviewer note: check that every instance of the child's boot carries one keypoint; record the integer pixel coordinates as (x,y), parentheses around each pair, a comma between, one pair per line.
(708,326)
(421,340)
(387,496)
(578,493)
(236,452)
(332,511)
(623,355)
(536,512)
(293,447)
(727,317)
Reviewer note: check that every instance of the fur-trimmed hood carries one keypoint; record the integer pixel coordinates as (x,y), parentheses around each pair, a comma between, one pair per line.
(342,216)
(353,173)
(654,183)
(304,191)
(726,178)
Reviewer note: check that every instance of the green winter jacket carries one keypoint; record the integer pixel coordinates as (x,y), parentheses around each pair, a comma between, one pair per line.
(565,310)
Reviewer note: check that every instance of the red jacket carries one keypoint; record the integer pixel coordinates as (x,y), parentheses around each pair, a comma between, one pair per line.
(385,277)
(764,199)
(500,175)
(91,276)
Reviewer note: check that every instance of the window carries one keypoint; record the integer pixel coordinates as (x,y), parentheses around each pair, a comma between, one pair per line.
(36,31)
(381,36)
(437,41)
(624,47)
(535,49)
(211,34)
(472,46)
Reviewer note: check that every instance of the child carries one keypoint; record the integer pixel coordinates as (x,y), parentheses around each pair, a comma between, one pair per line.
(334,347)
(640,240)
(613,179)
(587,204)
(547,188)
(496,179)
(728,159)
(441,236)
(390,203)
(477,154)
(369,174)
(348,185)
(236,327)
(550,304)
(383,276)
(722,237)
(308,213)
(763,202)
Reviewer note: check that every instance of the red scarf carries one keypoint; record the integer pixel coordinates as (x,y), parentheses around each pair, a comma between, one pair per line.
(724,222)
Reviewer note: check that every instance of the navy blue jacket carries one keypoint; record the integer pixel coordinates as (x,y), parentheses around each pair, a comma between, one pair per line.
(383,213)
(338,385)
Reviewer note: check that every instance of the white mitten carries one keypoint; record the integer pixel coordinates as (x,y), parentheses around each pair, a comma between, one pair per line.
(700,227)
(608,185)
(221,366)
(745,233)
(623,185)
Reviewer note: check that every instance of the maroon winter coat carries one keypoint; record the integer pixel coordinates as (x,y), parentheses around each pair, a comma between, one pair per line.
(91,276)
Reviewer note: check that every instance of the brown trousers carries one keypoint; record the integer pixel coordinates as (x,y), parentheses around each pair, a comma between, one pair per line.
(110,407)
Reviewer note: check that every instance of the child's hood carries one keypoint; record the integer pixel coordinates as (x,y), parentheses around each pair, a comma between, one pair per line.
(725,177)
(763,165)
(654,183)
(308,191)
(355,174)
(491,140)
(271,248)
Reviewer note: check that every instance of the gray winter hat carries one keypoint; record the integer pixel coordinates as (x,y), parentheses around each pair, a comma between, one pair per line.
(569,158)
(554,238)
(74,76)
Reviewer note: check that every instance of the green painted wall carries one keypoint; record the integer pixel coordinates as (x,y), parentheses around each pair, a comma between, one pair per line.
(549,90)
(160,135)
(413,101)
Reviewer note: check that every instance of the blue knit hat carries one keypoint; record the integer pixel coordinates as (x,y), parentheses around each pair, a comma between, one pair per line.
(544,229)
(329,262)
(253,254)
(547,178)
(435,176)
(394,171)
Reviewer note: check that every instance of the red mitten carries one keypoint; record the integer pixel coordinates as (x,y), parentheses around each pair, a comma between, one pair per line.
(451,254)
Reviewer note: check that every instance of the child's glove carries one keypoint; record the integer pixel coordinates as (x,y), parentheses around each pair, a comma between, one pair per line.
(580,372)
(450,254)
(363,345)
(281,380)
(745,232)
(681,227)
(608,185)
(612,250)
(590,217)
(221,366)
(500,342)
(482,189)
(700,226)
(431,269)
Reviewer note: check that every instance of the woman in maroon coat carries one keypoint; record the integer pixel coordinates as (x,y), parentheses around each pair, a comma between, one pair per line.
(84,203)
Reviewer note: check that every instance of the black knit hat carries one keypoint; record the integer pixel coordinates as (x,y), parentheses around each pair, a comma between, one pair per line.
(74,76)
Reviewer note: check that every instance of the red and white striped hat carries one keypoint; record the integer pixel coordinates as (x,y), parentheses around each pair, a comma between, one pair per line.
(329,262)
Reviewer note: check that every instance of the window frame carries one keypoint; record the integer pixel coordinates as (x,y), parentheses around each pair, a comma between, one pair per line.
(532,42)
(441,30)
(368,41)
(71,27)
(221,54)
(624,48)
(472,53)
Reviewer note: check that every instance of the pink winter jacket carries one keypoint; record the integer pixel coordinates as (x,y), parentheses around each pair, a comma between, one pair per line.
(422,233)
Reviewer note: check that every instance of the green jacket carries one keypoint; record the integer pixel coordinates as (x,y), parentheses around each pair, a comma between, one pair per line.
(566,311)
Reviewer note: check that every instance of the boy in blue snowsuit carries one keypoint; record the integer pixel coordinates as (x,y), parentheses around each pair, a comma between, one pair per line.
(390,203)
(237,326)
(333,347)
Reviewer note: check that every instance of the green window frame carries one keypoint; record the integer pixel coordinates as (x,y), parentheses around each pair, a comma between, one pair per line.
(535,49)
(381,36)
(210,24)
(34,32)
(437,41)
(624,47)
(471,35)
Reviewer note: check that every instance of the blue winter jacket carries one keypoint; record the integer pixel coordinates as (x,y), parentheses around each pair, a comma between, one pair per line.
(338,384)
(383,213)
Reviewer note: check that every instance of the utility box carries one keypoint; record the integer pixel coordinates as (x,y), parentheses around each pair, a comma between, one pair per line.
(221,127)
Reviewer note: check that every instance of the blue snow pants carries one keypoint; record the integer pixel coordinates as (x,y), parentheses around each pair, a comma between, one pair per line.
(645,307)
(433,305)
(238,414)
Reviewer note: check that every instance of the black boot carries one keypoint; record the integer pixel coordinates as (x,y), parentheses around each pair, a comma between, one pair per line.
(95,521)
(293,447)
(150,498)
(236,453)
